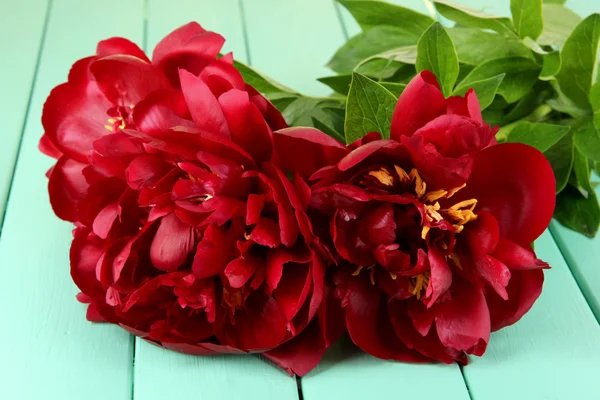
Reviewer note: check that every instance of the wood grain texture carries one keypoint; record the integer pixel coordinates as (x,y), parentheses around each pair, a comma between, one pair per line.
(291,41)
(48,349)
(553,352)
(17,71)
(161,374)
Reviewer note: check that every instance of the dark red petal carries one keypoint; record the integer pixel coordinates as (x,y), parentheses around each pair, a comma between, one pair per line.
(66,187)
(369,325)
(105,219)
(359,154)
(47,147)
(348,243)
(189,47)
(428,344)
(523,290)
(145,171)
(93,315)
(223,68)
(292,145)
(463,323)
(84,255)
(516,184)
(203,105)
(420,102)
(254,207)
(119,45)
(240,270)
(293,288)
(331,316)
(75,113)
(266,233)
(482,235)
(493,272)
(517,257)
(271,114)
(301,354)
(247,126)
(125,80)
(377,226)
(369,137)
(422,317)
(467,105)
(262,326)
(440,279)
(162,110)
(277,258)
(172,243)
(212,254)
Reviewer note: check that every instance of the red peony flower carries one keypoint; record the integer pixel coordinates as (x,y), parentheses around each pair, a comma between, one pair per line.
(432,228)
(187,234)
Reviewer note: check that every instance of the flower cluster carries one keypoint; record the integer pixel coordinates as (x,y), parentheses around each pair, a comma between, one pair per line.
(205,225)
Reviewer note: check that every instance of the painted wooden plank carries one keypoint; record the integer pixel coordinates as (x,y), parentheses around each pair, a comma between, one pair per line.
(348,373)
(16,78)
(47,346)
(552,353)
(159,372)
(583,256)
(291,41)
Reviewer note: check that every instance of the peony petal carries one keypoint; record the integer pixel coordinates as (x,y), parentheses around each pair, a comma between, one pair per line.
(125,80)
(119,45)
(369,325)
(361,153)
(482,235)
(369,137)
(47,147)
(517,257)
(300,354)
(523,290)
(293,145)
(420,102)
(516,184)
(346,239)
(276,259)
(84,255)
(467,105)
(377,226)
(254,207)
(172,243)
(67,186)
(240,270)
(189,47)
(493,272)
(247,126)
(203,105)
(145,171)
(266,232)
(293,288)
(223,68)
(463,323)
(105,219)
(212,254)
(440,279)
(162,110)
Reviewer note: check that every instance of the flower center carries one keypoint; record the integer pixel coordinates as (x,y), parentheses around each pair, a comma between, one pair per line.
(118,118)
(438,220)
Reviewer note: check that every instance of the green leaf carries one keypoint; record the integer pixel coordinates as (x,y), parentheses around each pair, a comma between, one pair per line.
(339,83)
(475,46)
(555,1)
(369,108)
(581,62)
(563,104)
(301,111)
(474,18)
(260,82)
(587,140)
(436,53)
(580,177)
(484,89)
(395,88)
(372,13)
(560,156)
(521,75)
(528,104)
(595,97)
(404,55)
(281,103)
(551,65)
(559,22)
(527,17)
(539,135)
(330,130)
(366,44)
(578,213)
(380,69)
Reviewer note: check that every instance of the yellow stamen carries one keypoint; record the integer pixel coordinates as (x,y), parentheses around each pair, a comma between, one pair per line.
(418,283)
(471,203)
(122,125)
(108,128)
(112,120)
(420,186)
(431,212)
(131,106)
(402,175)
(372,274)
(454,257)
(453,191)
(246,236)
(383,176)
(355,273)
(393,276)
(435,195)
(424,232)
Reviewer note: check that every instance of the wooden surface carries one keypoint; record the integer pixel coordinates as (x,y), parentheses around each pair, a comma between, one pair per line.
(49,351)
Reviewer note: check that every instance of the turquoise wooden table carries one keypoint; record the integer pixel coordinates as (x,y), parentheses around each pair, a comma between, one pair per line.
(49,351)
